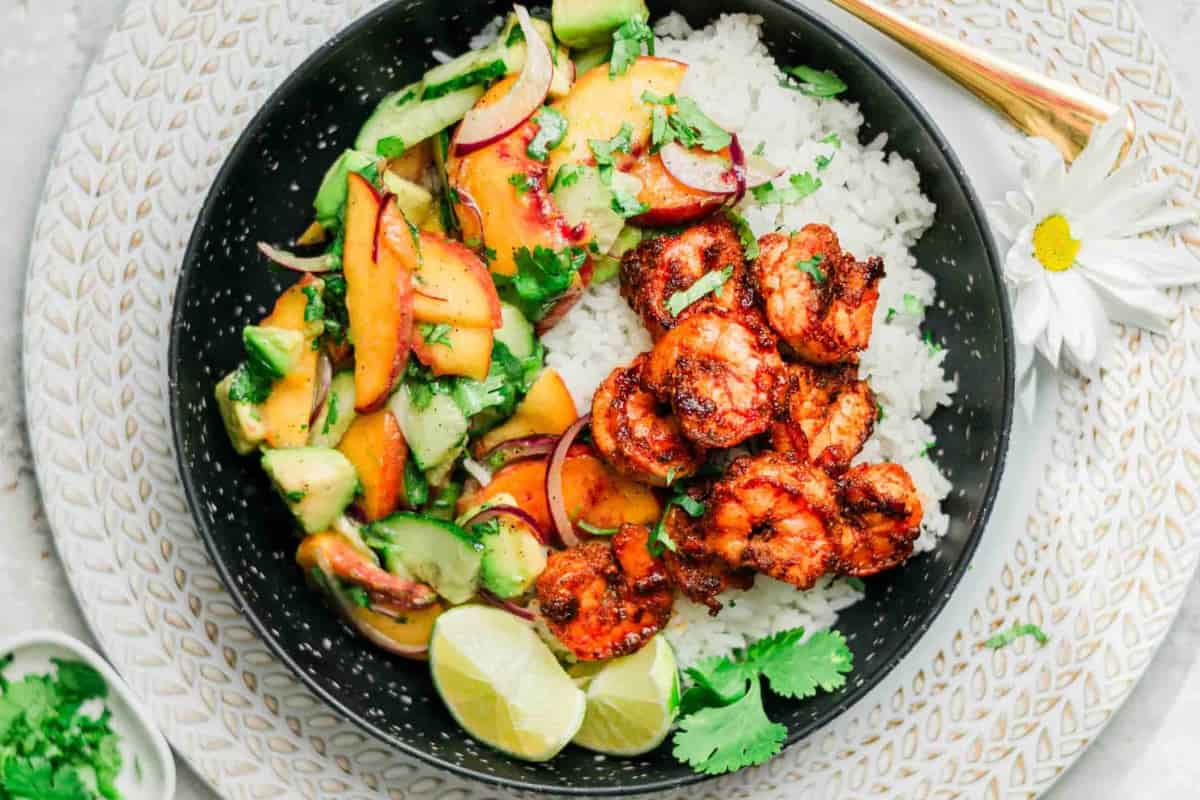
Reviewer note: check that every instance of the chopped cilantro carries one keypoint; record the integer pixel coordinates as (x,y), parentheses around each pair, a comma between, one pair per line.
(521,181)
(593,530)
(390,147)
(658,99)
(436,334)
(749,243)
(627,205)
(879,415)
(891,315)
(759,148)
(672,472)
(416,489)
(543,275)
(489,527)
(856,584)
(823,161)
(659,538)
(331,416)
(813,268)
(250,384)
(49,750)
(567,174)
(603,149)
(485,74)
(552,127)
(833,140)
(707,284)
(1005,638)
(314,308)
(294,497)
(691,127)
(912,305)
(927,448)
(933,347)
(358,595)
(336,317)
(660,128)
(627,45)
(814,83)
(801,186)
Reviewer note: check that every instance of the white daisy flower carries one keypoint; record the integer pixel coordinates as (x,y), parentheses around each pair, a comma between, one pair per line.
(1077,260)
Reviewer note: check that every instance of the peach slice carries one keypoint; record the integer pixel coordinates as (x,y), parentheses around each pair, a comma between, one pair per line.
(498,214)
(286,412)
(379,258)
(598,105)
(456,351)
(592,491)
(671,202)
(453,286)
(548,408)
(375,446)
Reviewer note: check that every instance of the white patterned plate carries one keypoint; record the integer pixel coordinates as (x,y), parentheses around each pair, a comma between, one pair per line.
(1092,537)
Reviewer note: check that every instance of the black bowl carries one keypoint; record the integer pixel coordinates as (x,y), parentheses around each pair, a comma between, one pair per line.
(264,191)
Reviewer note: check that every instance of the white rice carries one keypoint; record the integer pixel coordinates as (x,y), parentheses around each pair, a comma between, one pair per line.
(874,201)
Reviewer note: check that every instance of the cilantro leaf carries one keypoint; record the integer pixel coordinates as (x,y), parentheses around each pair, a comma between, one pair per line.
(543,275)
(603,150)
(250,384)
(693,128)
(552,127)
(716,681)
(707,284)
(627,45)
(567,174)
(745,234)
(660,129)
(416,489)
(78,681)
(814,83)
(912,305)
(801,186)
(659,538)
(823,161)
(812,267)
(723,739)
(626,204)
(521,181)
(799,670)
(833,140)
(588,528)
(658,99)
(1005,638)
(436,334)
(331,416)
(314,306)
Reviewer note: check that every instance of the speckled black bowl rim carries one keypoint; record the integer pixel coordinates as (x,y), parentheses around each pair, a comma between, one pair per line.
(993,258)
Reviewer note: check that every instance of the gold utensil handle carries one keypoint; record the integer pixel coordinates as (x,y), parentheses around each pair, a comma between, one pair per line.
(1037,105)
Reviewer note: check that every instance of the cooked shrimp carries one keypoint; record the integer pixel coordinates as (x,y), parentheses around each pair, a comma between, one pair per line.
(604,600)
(349,564)
(659,267)
(635,435)
(881,519)
(772,512)
(719,376)
(696,572)
(828,416)
(823,310)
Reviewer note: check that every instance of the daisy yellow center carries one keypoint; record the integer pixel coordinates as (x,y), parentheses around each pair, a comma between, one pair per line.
(1053,244)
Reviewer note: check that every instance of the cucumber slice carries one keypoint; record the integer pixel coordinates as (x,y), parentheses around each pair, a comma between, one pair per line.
(476,67)
(432,550)
(337,415)
(516,332)
(415,121)
(588,199)
(435,432)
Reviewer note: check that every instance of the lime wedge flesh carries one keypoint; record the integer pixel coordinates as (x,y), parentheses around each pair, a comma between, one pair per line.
(632,702)
(502,683)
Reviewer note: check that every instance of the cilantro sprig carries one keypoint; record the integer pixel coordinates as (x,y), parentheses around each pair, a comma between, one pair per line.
(799,187)
(814,82)
(543,275)
(709,283)
(724,726)
(659,538)
(688,125)
(1005,638)
(627,45)
(552,127)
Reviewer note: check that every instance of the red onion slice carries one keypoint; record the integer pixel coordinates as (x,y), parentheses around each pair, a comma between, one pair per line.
(516,513)
(306,264)
(321,388)
(708,172)
(369,631)
(759,171)
(482,126)
(507,605)
(517,449)
(554,482)
(738,156)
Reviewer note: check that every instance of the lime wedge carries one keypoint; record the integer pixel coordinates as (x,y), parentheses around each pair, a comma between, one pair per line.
(503,684)
(631,702)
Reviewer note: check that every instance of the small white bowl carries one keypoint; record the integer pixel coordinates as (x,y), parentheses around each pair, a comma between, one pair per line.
(140,740)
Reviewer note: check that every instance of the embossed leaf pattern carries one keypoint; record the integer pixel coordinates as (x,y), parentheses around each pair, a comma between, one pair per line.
(1101,563)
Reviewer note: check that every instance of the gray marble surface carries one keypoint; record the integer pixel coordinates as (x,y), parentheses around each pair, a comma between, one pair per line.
(1148,750)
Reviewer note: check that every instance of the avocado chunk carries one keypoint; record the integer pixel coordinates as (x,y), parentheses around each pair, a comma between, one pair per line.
(513,557)
(242,420)
(337,414)
(586,60)
(584,197)
(331,196)
(317,483)
(434,551)
(588,23)
(272,351)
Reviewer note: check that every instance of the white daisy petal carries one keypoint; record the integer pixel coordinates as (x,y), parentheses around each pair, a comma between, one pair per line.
(1165,217)
(1032,308)
(1085,339)
(1048,190)
(1123,180)
(1027,380)
(1096,161)
(1020,266)
(1141,262)
(1020,204)
(1007,222)
(1130,213)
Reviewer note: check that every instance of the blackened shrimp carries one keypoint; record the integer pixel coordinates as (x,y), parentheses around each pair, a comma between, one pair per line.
(719,375)
(773,512)
(636,433)
(658,268)
(828,415)
(605,599)
(696,572)
(881,518)
(819,299)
